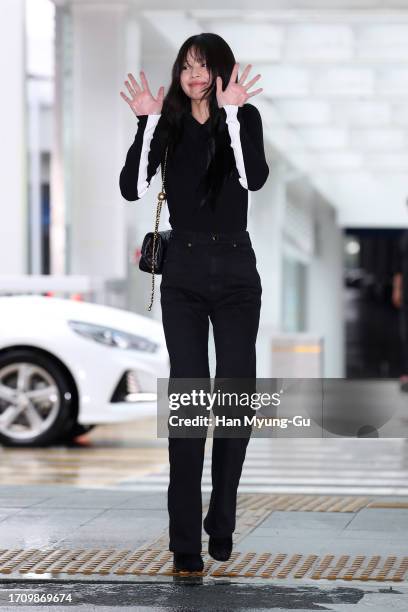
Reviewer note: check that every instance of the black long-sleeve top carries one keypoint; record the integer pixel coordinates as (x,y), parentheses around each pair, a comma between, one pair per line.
(186,167)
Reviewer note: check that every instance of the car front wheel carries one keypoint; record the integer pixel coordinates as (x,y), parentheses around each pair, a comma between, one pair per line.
(36,401)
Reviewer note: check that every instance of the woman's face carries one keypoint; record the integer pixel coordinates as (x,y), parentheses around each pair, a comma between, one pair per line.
(194,77)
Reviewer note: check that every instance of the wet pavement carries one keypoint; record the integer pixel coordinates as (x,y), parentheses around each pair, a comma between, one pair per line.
(321,525)
(102,458)
(195,596)
(121,522)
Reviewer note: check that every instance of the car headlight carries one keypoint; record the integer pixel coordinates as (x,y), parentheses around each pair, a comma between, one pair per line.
(113,337)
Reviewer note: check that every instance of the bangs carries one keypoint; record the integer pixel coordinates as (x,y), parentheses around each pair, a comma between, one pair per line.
(197,52)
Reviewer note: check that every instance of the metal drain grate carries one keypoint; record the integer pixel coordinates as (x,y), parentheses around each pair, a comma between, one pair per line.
(156,562)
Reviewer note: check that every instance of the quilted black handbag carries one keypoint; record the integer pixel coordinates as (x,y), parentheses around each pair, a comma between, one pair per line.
(155,242)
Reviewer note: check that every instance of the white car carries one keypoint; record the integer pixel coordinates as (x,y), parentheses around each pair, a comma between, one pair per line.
(66,366)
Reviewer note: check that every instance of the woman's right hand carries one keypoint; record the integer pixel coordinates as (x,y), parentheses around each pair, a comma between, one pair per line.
(142,101)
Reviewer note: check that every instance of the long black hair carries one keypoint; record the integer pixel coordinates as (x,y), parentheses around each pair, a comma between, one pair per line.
(220,61)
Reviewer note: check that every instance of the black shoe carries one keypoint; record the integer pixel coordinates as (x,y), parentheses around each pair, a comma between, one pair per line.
(188,562)
(220,548)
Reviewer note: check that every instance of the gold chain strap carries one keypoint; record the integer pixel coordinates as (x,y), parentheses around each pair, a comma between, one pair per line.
(161,197)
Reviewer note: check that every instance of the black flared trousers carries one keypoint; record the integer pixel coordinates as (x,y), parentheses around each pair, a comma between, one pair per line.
(208,276)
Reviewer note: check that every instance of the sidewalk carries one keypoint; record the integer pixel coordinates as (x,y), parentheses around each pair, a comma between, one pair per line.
(339,552)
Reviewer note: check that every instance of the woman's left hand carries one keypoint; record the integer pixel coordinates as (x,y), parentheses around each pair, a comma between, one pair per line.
(236,93)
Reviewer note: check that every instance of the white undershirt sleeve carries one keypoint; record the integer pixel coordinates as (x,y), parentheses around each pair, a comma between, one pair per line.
(234,132)
(142,183)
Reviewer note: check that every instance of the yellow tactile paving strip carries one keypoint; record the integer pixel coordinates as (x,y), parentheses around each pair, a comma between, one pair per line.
(252,509)
(156,562)
(245,523)
(304,503)
(388,504)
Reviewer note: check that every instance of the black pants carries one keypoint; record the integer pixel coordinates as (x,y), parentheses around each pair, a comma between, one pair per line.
(208,277)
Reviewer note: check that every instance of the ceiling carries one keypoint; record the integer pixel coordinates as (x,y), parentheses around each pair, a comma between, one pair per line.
(335,93)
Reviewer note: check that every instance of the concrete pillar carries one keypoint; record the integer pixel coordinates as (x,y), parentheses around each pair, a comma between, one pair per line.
(98,43)
(60,169)
(88,217)
(98,229)
(13,166)
(141,215)
(265,225)
(325,315)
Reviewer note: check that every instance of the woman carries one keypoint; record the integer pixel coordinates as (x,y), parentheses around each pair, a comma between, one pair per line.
(215,156)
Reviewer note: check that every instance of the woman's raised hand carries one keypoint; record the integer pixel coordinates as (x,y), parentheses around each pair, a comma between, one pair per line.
(236,93)
(142,101)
